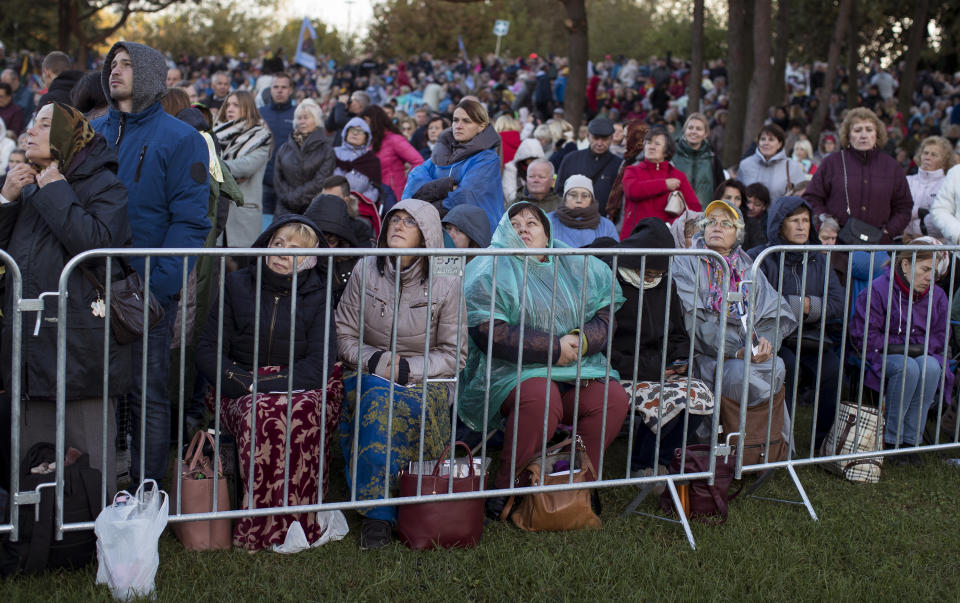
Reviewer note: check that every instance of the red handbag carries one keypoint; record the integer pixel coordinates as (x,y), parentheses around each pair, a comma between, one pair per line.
(456,523)
(702,502)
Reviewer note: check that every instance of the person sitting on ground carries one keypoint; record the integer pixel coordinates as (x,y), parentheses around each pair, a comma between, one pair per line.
(539,186)
(829,229)
(367,221)
(757,201)
(913,365)
(789,224)
(356,160)
(303,162)
(312,367)
(464,167)
(722,230)
(578,222)
(341,231)
(550,301)
(684,227)
(468,227)
(380,372)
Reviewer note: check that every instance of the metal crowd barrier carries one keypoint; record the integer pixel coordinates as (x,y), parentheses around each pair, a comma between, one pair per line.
(13,282)
(443,262)
(851,354)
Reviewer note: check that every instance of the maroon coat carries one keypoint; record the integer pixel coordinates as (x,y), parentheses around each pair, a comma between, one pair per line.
(876,186)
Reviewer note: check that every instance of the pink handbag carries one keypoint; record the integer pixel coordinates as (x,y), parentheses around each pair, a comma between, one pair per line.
(196,496)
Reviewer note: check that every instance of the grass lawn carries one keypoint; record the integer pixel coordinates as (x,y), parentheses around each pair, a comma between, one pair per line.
(896,540)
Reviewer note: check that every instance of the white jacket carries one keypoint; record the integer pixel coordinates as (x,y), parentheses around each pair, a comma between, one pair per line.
(946,207)
(528,149)
(924,186)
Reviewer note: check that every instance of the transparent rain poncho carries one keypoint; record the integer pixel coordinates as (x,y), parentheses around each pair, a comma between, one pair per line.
(540,312)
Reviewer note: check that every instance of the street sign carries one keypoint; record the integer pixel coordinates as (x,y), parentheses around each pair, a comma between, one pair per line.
(501,27)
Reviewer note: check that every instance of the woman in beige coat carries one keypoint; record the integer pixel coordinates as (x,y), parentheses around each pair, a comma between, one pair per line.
(383,368)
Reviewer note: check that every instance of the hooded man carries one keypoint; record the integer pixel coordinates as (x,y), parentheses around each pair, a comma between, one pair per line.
(163,163)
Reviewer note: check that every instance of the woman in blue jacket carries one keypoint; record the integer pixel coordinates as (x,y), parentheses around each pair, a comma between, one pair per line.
(464,167)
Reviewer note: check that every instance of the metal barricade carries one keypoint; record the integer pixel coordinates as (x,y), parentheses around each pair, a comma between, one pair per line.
(829,340)
(13,282)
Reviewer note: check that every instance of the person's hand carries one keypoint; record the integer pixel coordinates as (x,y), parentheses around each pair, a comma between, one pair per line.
(764,350)
(17,178)
(679,369)
(806,305)
(50,174)
(672,183)
(569,346)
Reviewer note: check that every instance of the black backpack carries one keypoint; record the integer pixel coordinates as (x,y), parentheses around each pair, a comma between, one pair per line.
(36,549)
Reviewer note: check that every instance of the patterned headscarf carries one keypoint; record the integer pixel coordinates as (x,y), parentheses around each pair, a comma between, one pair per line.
(69,132)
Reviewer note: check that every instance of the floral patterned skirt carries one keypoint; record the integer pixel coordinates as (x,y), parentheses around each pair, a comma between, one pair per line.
(271,437)
(372,451)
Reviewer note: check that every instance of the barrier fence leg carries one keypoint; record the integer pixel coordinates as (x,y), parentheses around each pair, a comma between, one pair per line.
(681,513)
(803,493)
(764,478)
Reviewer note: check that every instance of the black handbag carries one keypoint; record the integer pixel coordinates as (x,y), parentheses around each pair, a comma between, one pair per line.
(856,231)
(126,304)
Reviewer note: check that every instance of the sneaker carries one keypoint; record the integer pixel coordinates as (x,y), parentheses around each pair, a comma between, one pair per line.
(375,533)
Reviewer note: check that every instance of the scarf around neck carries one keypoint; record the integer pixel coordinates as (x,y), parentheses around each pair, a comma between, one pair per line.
(583,218)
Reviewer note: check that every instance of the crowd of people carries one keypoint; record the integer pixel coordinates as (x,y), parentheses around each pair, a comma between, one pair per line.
(150,151)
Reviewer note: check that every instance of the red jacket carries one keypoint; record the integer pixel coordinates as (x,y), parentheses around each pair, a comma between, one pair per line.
(393,153)
(645,193)
(511,142)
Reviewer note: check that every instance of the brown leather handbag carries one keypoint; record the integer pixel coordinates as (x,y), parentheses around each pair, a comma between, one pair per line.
(754,442)
(455,523)
(196,496)
(559,510)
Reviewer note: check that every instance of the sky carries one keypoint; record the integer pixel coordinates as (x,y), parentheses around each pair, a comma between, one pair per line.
(338,13)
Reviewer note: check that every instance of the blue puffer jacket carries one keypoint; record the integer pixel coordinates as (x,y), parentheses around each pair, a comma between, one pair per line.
(163,163)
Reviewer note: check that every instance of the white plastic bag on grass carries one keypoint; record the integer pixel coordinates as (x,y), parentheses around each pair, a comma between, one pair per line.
(127,535)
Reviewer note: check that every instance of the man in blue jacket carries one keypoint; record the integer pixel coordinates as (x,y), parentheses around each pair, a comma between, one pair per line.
(279,117)
(163,163)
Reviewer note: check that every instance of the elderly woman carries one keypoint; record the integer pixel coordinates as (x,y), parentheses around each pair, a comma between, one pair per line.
(648,184)
(515,171)
(313,358)
(464,167)
(913,372)
(723,231)
(769,164)
(697,159)
(303,162)
(578,222)
(66,200)
(935,157)
(861,181)
(383,365)
(525,288)
(247,143)
(356,160)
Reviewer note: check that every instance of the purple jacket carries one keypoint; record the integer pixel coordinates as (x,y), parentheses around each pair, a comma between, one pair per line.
(875,183)
(939,315)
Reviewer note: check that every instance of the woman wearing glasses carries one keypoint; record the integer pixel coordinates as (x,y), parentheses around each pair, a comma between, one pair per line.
(578,222)
(699,281)
(387,363)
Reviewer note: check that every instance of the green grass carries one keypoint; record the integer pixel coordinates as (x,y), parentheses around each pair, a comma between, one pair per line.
(895,540)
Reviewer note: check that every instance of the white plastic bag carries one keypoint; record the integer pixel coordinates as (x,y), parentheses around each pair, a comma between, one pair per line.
(127,535)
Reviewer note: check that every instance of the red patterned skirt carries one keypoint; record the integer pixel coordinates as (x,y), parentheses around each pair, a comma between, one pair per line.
(272,434)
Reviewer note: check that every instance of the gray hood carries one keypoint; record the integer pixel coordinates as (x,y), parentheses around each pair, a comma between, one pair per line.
(149,75)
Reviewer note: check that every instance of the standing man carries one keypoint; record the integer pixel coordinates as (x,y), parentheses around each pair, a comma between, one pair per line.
(59,78)
(278,114)
(22,96)
(596,163)
(220,83)
(163,164)
(346,109)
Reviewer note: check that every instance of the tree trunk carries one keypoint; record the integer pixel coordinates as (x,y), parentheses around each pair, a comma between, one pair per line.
(575,97)
(853,59)
(833,59)
(739,64)
(760,81)
(914,45)
(778,92)
(63,24)
(696,58)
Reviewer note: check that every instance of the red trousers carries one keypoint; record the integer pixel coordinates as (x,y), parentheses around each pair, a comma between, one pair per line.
(533,399)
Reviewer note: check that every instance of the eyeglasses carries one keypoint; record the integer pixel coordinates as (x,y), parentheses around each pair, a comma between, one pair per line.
(584,196)
(406,220)
(725,224)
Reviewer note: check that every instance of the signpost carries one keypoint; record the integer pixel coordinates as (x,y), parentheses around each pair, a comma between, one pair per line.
(500,29)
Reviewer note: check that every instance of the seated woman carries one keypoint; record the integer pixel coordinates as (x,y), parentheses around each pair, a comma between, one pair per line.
(340,231)
(380,368)
(723,231)
(529,398)
(313,359)
(356,160)
(789,224)
(468,227)
(577,222)
(913,374)
(638,349)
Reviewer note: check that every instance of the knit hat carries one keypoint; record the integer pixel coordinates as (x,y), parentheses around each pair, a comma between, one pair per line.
(577,181)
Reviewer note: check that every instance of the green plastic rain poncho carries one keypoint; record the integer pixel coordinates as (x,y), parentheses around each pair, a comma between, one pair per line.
(536,301)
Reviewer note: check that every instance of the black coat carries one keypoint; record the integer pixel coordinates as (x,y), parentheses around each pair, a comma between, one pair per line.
(275,304)
(42,231)
(651,332)
(601,169)
(60,87)
(299,172)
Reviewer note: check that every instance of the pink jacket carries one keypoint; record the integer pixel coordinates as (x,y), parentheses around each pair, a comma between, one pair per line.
(394,152)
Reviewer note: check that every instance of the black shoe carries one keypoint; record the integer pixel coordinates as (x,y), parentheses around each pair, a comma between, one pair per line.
(375,533)
(494,507)
(595,502)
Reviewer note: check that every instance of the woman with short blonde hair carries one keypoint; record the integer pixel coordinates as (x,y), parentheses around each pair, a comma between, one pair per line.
(935,157)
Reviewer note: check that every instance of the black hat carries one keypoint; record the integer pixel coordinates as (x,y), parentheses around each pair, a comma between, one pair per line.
(601,126)
(649,233)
